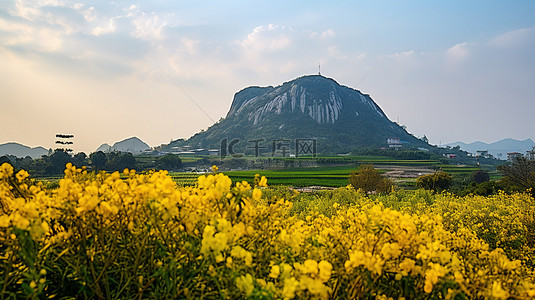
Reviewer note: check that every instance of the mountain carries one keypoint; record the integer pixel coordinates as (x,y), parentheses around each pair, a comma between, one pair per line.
(104,148)
(499,149)
(337,117)
(19,150)
(133,145)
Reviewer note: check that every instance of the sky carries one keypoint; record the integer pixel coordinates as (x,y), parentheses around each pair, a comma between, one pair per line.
(163,70)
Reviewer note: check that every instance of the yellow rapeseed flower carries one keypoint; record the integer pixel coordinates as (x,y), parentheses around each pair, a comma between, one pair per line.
(245,284)
(257,194)
(263,182)
(275,272)
(325,270)
(21,175)
(497,291)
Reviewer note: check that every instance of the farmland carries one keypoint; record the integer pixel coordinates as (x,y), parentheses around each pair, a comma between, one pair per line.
(403,172)
(322,171)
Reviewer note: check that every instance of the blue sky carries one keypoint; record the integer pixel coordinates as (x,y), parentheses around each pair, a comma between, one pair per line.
(162,70)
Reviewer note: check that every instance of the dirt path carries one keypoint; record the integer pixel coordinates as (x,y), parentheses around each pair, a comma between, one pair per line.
(405,171)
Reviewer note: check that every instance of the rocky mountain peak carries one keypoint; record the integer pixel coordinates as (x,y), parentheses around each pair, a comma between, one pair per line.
(337,117)
(321,98)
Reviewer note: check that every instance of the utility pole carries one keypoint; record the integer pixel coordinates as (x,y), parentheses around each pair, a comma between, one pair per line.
(66,141)
(319,69)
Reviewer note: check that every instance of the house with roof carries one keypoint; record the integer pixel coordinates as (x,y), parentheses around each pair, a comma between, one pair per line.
(511,156)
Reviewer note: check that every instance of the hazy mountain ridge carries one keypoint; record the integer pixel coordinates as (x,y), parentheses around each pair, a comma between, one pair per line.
(133,145)
(499,148)
(21,151)
(104,148)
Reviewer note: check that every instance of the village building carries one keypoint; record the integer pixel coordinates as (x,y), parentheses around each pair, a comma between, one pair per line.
(511,156)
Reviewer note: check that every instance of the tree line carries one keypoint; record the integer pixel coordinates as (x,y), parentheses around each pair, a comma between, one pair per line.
(54,164)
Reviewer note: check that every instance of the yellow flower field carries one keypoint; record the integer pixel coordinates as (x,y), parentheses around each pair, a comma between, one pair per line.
(142,236)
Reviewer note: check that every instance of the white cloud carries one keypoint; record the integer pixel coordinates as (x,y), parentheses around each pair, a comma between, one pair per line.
(190,45)
(39,26)
(21,34)
(459,51)
(267,38)
(282,51)
(26,9)
(107,28)
(404,54)
(146,25)
(89,13)
(82,39)
(327,34)
(516,38)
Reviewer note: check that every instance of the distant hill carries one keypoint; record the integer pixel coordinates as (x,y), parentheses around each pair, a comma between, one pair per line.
(314,107)
(133,145)
(19,150)
(104,148)
(499,149)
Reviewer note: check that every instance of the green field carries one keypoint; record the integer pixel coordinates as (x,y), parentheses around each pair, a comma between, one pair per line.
(334,176)
(323,176)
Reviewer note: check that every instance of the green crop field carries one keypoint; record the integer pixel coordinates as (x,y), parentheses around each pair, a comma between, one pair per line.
(336,175)
(323,176)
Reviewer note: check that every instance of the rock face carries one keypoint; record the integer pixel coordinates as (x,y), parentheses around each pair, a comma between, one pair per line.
(310,107)
(324,107)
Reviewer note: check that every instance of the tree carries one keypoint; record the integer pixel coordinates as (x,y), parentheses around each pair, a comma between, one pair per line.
(127,160)
(79,159)
(98,159)
(480,176)
(58,160)
(519,174)
(370,180)
(439,181)
(169,162)
(4,159)
(118,161)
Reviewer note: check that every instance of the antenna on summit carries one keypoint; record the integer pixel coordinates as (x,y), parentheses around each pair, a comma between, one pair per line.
(319,69)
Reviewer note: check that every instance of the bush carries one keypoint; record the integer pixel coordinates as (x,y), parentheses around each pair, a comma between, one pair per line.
(370,180)
(169,162)
(480,176)
(486,188)
(438,182)
(519,174)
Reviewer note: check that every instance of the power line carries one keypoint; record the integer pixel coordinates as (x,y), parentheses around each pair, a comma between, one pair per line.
(174,81)
(363,77)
